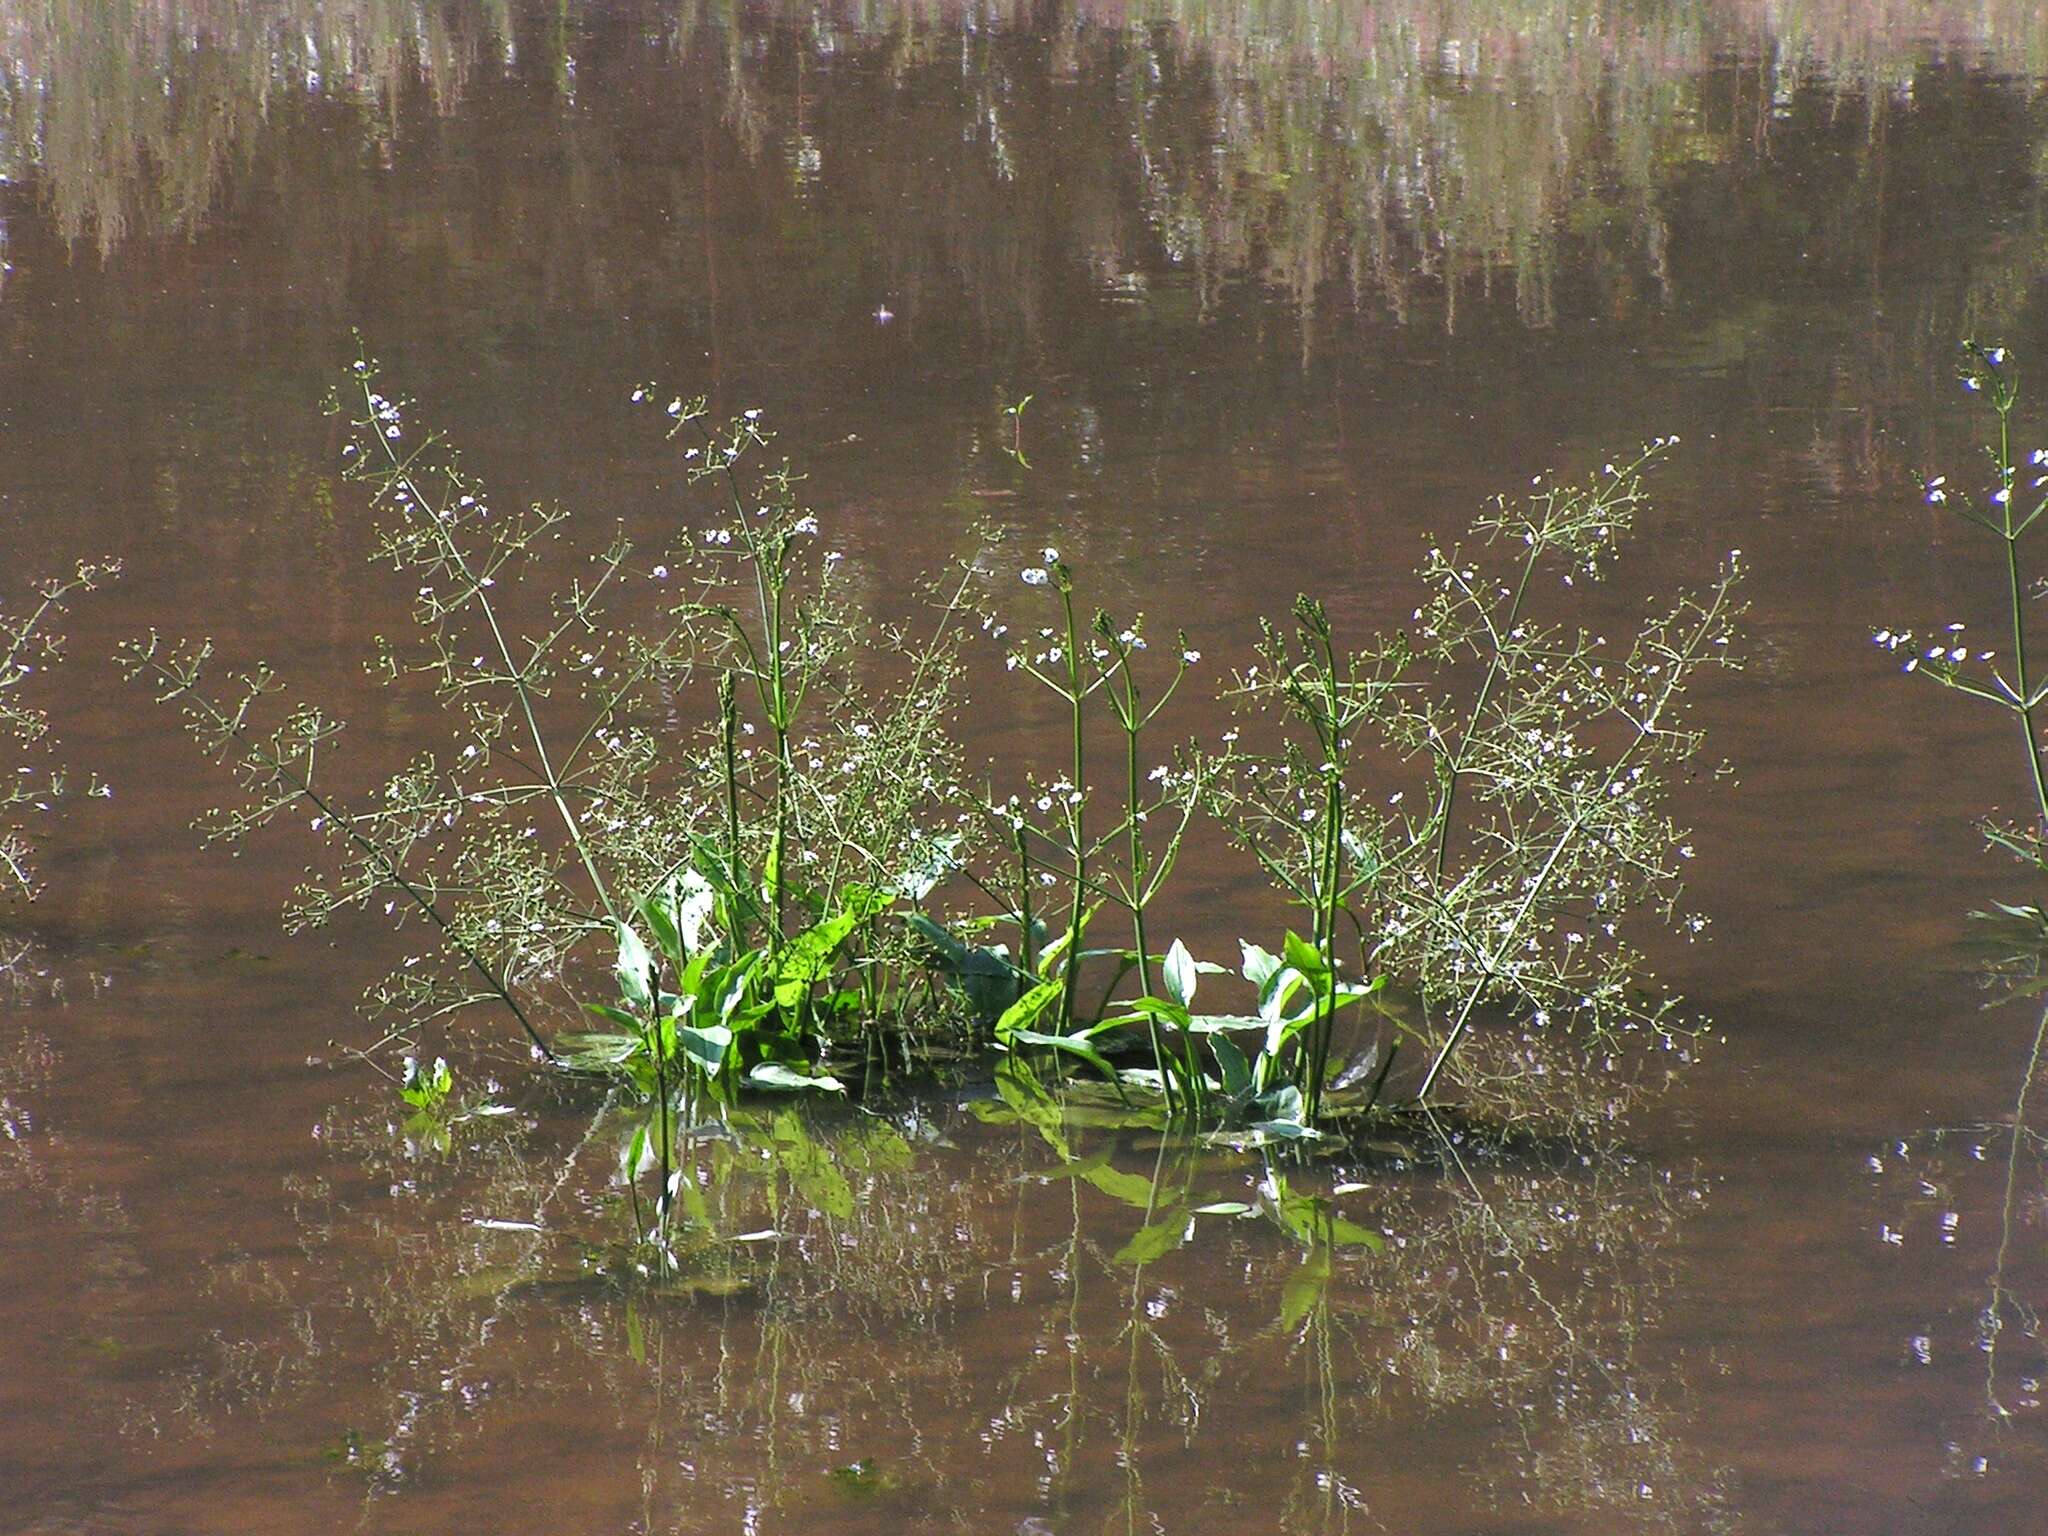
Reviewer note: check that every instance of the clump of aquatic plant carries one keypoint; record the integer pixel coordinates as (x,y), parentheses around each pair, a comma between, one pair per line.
(792,889)
(29,648)
(2005,501)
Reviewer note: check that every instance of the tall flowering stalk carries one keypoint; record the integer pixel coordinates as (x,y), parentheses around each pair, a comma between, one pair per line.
(2007,510)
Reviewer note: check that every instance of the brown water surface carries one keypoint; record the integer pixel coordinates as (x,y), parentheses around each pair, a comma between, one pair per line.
(1290,285)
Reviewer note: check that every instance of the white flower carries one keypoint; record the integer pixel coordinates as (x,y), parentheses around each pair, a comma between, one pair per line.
(1051,555)
(1035,576)
(805,525)
(1191,656)
(659,573)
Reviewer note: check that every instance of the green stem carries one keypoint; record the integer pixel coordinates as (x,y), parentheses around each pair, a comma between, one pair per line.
(2025,707)
(1076,811)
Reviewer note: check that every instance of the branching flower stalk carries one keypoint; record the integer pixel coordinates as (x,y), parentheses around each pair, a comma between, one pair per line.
(1705,630)
(1992,374)
(278,769)
(425,540)
(1063,668)
(28,648)
(1138,883)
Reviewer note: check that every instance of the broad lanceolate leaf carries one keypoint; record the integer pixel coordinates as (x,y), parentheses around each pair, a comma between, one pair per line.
(1305,957)
(773,1074)
(634,966)
(1026,1009)
(1073,1045)
(1179,974)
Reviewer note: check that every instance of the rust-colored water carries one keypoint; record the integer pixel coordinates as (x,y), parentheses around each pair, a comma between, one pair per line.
(1289,285)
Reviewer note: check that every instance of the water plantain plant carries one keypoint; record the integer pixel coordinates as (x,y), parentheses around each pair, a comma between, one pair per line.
(2007,508)
(746,794)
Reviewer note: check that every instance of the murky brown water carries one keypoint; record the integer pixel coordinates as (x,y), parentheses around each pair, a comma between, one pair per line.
(1289,285)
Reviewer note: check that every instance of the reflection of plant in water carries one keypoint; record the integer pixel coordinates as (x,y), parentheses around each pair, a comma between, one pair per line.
(1485,1276)
(1980,1194)
(2005,501)
(1046,1319)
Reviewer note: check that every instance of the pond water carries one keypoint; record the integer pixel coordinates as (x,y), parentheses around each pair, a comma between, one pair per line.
(1289,285)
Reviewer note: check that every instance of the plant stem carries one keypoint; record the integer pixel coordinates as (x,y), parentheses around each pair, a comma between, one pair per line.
(1077,812)
(2024,708)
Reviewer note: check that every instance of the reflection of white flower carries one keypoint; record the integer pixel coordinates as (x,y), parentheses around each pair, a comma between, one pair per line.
(1035,576)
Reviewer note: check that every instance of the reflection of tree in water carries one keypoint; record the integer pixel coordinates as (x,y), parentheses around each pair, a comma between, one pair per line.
(937,1319)
(139,112)
(1404,158)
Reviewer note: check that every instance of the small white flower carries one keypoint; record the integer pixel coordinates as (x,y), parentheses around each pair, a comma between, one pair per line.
(807,525)
(659,573)
(1190,656)
(1051,555)
(1035,576)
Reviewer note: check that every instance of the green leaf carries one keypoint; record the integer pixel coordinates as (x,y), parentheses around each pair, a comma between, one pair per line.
(1026,1009)
(807,958)
(1051,953)
(774,1074)
(1305,957)
(658,913)
(1073,1045)
(1230,1061)
(707,1046)
(1225,1208)
(1179,974)
(636,1148)
(1156,1240)
(634,964)
(1220,1023)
